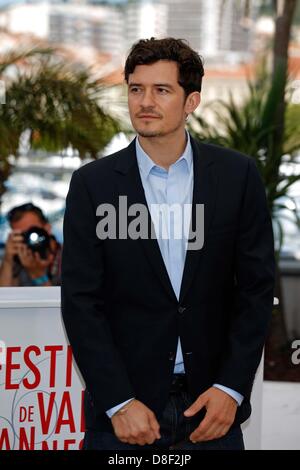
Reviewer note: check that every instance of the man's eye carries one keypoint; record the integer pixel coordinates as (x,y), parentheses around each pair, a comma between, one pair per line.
(163,91)
(134,90)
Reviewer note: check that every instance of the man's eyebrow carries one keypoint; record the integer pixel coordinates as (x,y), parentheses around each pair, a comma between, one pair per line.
(165,85)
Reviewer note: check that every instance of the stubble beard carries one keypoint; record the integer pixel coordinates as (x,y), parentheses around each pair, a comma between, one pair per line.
(157,133)
(150,133)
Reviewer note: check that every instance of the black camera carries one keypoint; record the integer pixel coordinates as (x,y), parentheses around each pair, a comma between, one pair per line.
(38,240)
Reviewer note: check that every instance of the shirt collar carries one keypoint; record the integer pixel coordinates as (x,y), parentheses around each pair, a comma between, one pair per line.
(146,164)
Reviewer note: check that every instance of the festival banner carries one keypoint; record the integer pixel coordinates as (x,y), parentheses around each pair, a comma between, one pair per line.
(41,393)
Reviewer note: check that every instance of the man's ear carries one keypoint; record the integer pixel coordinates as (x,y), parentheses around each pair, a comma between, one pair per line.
(192,102)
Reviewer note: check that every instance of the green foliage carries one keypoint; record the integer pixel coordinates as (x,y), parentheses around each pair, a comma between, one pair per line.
(59,104)
(249,128)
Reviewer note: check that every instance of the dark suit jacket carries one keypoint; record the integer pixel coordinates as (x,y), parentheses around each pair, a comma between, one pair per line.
(120,311)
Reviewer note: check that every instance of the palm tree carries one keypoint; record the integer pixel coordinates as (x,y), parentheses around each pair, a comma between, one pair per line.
(249,128)
(285,10)
(58,103)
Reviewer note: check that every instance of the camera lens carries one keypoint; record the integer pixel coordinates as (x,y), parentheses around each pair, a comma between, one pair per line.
(35,239)
(38,240)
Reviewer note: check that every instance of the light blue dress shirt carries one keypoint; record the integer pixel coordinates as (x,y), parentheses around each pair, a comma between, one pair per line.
(169,187)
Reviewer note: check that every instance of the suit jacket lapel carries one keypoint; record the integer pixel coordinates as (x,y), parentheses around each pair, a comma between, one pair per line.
(204,192)
(129,184)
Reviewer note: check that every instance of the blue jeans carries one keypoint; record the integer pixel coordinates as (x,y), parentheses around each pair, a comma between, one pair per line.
(175,429)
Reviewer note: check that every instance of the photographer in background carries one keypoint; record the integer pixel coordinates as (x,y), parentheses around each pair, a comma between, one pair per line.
(32,254)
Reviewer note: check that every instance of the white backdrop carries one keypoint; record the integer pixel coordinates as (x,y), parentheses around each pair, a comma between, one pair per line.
(40,389)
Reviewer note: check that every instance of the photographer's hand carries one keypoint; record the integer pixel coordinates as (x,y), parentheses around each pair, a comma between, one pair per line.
(33,263)
(14,240)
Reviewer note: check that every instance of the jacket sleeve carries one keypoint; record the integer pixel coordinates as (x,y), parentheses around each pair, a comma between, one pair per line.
(82,301)
(254,290)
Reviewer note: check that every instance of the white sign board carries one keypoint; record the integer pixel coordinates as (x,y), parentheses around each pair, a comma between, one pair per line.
(41,393)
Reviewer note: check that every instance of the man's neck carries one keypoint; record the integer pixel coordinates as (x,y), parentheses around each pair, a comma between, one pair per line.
(165,150)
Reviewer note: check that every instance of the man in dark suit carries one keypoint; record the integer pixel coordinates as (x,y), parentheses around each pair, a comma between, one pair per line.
(167,330)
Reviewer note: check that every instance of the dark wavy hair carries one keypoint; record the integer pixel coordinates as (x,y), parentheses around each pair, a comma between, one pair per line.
(16,213)
(148,51)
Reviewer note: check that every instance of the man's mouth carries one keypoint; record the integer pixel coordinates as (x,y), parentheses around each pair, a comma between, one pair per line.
(147,116)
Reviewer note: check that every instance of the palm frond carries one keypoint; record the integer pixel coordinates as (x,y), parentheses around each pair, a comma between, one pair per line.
(249,128)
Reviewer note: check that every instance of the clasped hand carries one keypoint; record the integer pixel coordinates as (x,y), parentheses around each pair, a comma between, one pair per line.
(140,426)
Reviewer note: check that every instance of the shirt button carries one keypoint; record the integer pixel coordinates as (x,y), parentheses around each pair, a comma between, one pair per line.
(181,309)
(171,356)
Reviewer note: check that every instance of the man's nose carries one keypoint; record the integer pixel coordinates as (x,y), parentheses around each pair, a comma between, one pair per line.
(147,99)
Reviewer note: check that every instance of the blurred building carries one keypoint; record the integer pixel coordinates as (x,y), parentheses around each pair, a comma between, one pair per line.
(30,18)
(144,19)
(219,30)
(88,26)
(76,24)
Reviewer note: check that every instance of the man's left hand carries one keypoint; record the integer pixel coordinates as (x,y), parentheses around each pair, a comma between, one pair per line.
(220,413)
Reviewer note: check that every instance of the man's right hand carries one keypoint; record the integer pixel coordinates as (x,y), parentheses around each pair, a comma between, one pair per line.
(138,425)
